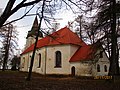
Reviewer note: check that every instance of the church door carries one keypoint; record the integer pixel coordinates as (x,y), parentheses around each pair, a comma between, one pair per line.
(73,71)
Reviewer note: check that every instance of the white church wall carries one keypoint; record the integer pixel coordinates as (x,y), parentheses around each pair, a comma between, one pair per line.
(102,62)
(82,69)
(25,62)
(29,41)
(42,68)
(90,69)
(48,59)
(73,49)
(50,63)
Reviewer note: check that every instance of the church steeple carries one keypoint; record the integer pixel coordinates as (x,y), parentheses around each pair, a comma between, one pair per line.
(32,34)
(35,24)
(33,31)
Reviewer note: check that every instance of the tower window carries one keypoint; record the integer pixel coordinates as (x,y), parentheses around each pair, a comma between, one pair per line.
(57,59)
(98,68)
(105,68)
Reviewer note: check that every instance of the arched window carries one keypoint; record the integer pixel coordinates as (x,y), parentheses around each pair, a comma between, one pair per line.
(23,62)
(105,68)
(57,59)
(98,68)
(39,59)
(29,61)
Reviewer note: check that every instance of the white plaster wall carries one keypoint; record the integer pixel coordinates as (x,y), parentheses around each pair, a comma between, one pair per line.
(48,59)
(50,62)
(48,55)
(29,41)
(102,61)
(24,62)
(82,69)
(73,49)
(90,69)
(40,69)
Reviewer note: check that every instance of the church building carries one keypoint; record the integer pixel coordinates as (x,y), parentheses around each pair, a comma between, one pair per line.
(63,53)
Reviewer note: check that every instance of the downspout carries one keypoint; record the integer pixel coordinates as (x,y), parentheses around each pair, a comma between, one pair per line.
(45,59)
(28,63)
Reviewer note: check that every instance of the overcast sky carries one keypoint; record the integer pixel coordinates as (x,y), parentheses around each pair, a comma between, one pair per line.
(24,25)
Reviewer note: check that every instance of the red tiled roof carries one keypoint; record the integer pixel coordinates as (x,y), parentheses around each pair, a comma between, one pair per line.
(62,36)
(83,53)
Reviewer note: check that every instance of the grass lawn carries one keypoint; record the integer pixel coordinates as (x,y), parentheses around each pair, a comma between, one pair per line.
(15,80)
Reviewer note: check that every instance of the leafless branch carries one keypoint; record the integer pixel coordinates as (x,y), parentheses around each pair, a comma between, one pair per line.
(21,16)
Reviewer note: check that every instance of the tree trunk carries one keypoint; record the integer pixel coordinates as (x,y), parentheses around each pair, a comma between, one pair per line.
(33,55)
(114,65)
(7,46)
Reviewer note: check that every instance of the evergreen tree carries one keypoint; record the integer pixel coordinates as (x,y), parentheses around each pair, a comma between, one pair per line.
(15,63)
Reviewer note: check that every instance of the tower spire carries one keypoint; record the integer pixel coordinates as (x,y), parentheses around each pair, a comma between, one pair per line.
(33,31)
(35,24)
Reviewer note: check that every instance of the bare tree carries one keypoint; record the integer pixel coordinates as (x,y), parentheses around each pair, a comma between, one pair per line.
(9,42)
(77,6)
(107,13)
(103,28)
(11,9)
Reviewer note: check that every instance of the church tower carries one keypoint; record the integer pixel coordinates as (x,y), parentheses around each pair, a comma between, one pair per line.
(30,39)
